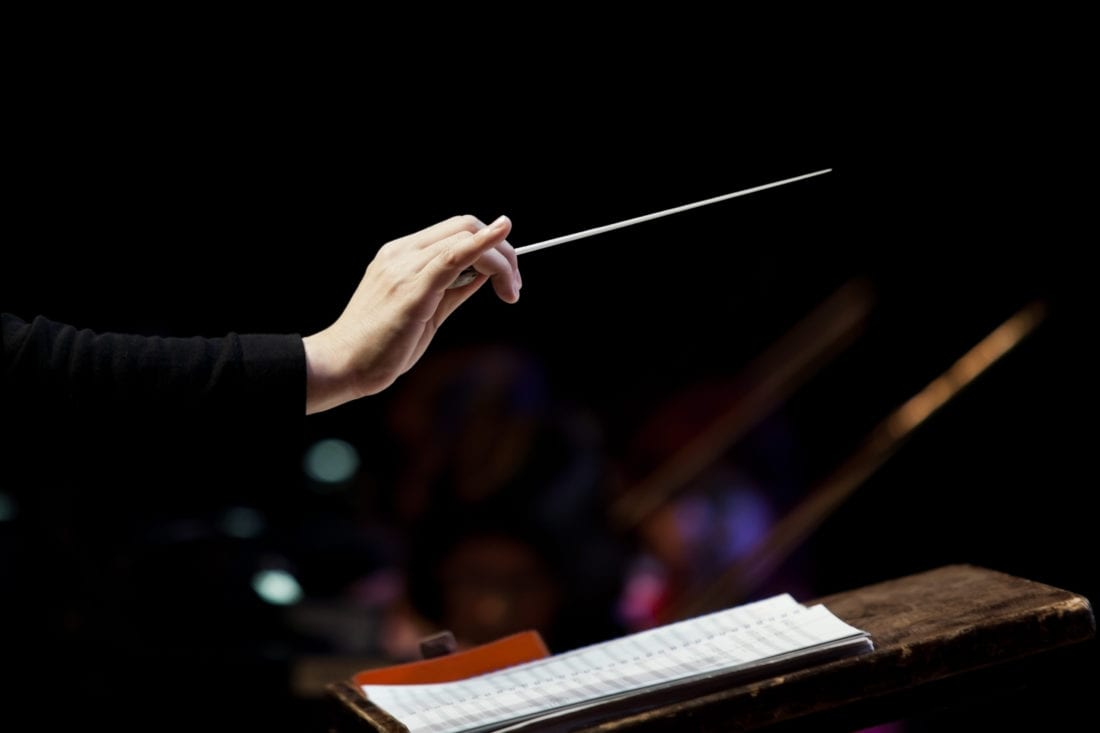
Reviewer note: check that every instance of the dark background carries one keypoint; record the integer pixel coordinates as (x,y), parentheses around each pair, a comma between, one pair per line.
(205,185)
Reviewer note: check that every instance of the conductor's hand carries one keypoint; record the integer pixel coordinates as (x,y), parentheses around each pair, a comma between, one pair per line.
(401,302)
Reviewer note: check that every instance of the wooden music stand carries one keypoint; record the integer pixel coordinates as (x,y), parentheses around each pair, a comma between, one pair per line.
(942,637)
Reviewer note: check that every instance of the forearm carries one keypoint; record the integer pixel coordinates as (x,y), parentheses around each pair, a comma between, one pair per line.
(55,366)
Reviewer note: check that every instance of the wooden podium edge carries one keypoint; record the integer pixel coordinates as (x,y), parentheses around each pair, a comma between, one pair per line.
(941,636)
(356,710)
(1027,623)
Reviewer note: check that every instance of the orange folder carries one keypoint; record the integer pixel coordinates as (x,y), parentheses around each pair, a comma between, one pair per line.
(524,646)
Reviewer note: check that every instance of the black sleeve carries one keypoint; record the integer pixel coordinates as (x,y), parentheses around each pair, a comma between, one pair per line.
(55,369)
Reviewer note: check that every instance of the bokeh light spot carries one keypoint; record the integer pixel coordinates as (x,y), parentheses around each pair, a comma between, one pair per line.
(331,461)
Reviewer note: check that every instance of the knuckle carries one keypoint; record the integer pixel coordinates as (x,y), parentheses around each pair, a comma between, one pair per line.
(469,222)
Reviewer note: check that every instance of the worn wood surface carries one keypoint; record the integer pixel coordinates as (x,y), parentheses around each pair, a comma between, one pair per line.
(941,637)
(354,712)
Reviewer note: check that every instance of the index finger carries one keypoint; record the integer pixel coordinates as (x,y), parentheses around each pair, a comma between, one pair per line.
(491,255)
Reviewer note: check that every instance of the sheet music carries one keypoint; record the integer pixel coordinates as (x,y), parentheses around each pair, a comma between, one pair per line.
(777,628)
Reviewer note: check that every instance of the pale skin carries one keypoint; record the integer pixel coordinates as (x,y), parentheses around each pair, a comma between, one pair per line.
(400,303)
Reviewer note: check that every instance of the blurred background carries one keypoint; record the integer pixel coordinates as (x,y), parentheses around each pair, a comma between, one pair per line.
(622,443)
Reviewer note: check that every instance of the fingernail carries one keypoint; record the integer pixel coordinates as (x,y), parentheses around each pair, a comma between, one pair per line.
(499,223)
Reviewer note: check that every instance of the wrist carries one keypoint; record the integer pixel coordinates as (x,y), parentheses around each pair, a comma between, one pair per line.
(324,386)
